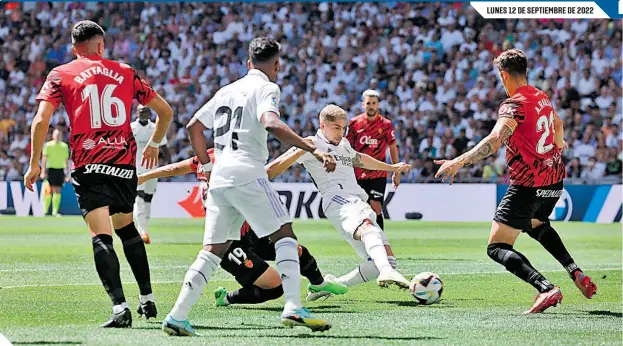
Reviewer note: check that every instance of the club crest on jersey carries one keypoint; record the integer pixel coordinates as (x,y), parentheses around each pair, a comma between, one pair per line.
(373,142)
(380,130)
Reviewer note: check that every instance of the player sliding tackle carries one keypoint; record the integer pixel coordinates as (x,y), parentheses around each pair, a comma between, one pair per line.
(344,202)
(241,115)
(533,134)
(246,258)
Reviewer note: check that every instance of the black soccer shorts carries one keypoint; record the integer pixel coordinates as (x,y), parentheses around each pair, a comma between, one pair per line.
(375,188)
(242,261)
(521,204)
(56,177)
(100,185)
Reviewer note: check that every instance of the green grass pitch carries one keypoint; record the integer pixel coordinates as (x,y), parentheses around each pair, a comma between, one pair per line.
(50,292)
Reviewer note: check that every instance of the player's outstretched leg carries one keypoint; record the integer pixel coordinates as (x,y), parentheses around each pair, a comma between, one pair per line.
(107,265)
(372,238)
(142,211)
(246,295)
(195,280)
(287,261)
(500,249)
(545,234)
(317,283)
(136,256)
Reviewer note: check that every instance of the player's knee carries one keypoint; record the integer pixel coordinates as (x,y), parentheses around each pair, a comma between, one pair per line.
(128,234)
(492,250)
(368,227)
(217,249)
(284,232)
(273,293)
(140,194)
(537,231)
(148,197)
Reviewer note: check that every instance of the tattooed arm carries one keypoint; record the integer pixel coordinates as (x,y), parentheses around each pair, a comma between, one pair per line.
(489,145)
(492,143)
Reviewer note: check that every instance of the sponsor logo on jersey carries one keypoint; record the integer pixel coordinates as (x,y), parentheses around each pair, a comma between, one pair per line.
(98,168)
(107,143)
(373,142)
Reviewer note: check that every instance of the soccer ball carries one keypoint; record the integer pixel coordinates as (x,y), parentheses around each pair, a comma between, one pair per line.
(426,288)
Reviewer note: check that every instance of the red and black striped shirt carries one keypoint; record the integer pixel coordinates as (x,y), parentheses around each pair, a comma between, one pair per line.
(97,94)
(533,158)
(371,137)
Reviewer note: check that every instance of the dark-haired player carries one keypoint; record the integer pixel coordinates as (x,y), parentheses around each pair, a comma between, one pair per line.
(370,133)
(97,94)
(241,115)
(246,258)
(533,134)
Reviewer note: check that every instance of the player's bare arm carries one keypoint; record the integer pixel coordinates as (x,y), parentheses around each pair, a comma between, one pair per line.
(283,162)
(38,131)
(368,162)
(170,170)
(198,140)
(44,161)
(165,114)
(393,154)
(559,133)
(503,129)
(279,129)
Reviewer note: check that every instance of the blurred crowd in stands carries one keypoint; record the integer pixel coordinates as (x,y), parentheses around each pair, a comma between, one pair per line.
(431,63)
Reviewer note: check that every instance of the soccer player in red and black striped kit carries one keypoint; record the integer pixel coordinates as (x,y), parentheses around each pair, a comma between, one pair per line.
(371,133)
(533,134)
(97,94)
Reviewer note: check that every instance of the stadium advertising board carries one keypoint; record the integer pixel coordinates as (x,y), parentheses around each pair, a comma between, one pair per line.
(435,202)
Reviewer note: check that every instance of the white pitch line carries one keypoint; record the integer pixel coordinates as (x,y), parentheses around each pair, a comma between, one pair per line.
(77,268)
(230,279)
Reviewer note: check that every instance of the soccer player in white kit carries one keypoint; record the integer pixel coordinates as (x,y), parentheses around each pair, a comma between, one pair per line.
(241,114)
(344,201)
(142,129)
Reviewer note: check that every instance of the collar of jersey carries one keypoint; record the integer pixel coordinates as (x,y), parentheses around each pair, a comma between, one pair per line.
(256,72)
(320,135)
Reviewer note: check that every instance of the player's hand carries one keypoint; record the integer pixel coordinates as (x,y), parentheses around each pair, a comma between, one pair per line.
(399,168)
(449,168)
(141,179)
(33,173)
(328,160)
(564,146)
(150,157)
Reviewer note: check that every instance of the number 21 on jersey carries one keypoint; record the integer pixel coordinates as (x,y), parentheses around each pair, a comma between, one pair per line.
(101,106)
(545,124)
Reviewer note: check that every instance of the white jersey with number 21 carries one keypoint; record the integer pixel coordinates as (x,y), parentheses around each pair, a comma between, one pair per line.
(239,138)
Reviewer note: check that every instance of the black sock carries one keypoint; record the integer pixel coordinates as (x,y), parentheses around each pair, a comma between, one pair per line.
(380,221)
(135,253)
(309,267)
(253,295)
(550,240)
(107,265)
(514,262)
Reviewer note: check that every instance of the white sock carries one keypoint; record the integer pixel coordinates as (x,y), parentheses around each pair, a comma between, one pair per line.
(195,281)
(287,261)
(139,215)
(392,261)
(363,273)
(373,241)
(146,298)
(118,308)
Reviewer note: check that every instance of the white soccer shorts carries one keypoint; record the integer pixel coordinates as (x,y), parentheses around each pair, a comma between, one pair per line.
(228,207)
(149,187)
(347,213)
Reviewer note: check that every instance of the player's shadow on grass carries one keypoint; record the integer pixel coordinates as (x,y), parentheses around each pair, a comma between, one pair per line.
(606,313)
(441,304)
(344,337)
(158,325)
(330,309)
(47,343)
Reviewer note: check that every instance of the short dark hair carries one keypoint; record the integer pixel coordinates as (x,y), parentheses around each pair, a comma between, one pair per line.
(263,49)
(85,30)
(513,61)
